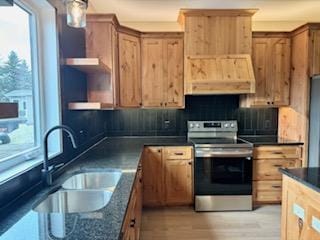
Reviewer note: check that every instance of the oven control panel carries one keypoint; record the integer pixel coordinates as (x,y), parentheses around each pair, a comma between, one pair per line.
(212,126)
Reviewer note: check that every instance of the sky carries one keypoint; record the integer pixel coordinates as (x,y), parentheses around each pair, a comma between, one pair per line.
(14,33)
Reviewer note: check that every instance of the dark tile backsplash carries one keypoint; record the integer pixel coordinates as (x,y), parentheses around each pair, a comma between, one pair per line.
(158,122)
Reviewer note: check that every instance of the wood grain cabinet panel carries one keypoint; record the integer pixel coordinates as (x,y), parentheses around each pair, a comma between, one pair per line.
(153,177)
(267,191)
(277,152)
(268,169)
(271,58)
(174,68)
(132,222)
(176,153)
(130,71)
(300,213)
(178,182)
(162,72)
(152,73)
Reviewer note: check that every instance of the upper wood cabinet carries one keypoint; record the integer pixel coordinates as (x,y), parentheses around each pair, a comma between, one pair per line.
(162,70)
(271,62)
(102,43)
(130,71)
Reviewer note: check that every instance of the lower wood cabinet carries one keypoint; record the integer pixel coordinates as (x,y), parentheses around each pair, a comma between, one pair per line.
(267,180)
(300,216)
(132,222)
(167,176)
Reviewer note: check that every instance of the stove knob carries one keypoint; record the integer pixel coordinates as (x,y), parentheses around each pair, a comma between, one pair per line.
(232,125)
(191,125)
(197,125)
(226,125)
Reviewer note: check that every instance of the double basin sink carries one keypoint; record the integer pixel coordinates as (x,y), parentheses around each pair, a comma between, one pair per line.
(82,192)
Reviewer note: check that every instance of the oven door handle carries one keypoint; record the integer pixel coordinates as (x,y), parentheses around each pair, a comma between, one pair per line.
(225,154)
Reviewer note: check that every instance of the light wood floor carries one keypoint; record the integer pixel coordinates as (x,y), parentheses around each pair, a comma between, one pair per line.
(185,224)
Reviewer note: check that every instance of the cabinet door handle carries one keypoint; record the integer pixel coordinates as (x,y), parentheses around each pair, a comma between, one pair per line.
(159,150)
(165,104)
(190,163)
(277,165)
(276,186)
(132,223)
(277,152)
(161,104)
(178,153)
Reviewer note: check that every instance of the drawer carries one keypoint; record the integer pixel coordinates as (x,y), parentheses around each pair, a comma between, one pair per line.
(268,169)
(176,153)
(267,191)
(277,152)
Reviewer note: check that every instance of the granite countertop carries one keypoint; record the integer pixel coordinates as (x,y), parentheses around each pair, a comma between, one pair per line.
(118,153)
(307,176)
(261,140)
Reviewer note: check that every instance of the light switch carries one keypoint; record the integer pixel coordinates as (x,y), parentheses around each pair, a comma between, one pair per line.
(315,224)
(298,211)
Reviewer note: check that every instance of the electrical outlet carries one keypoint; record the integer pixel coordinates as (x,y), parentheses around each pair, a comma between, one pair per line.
(267,124)
(167,124)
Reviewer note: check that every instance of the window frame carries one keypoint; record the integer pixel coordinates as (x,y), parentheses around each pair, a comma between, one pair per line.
(36,31)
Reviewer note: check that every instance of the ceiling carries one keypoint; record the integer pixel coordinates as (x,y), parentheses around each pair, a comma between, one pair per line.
(277,15)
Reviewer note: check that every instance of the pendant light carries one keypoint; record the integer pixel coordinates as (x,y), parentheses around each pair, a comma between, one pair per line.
(76,13)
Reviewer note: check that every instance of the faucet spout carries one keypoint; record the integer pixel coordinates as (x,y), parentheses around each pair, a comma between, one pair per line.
(46,172)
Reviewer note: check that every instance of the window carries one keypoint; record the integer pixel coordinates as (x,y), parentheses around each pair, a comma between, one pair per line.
(24,42)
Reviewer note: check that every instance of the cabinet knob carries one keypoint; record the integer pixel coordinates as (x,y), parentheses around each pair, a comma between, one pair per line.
(190,163)
(165,104)
(159,150)
(161,104)
(268,103)
(272,103)
(133,223)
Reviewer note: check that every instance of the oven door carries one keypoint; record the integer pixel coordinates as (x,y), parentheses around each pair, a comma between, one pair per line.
(223,172)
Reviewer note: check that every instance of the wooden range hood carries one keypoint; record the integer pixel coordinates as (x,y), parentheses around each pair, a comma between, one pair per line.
(218,45)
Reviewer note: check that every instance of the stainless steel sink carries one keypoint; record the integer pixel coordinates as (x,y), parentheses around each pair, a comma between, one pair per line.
(106,180)
(64,201)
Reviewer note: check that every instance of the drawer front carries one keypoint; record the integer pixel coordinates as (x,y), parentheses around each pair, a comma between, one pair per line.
(267,191)
(176,153)
(268,169)
(278,152)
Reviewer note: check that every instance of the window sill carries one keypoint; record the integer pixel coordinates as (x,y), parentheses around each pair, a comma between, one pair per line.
(21,168)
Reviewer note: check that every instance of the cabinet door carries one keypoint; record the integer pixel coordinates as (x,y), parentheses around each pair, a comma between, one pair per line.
(129,231)
(261,60)
(130,76)
(296,216)
(178,183)
(280,72)
(152,177)
(173,68)
(138,205)
(152,72)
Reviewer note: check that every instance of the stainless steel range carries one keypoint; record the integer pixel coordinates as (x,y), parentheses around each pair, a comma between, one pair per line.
(223,166)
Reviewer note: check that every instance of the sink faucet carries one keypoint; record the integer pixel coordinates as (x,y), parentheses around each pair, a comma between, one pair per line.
(48,170)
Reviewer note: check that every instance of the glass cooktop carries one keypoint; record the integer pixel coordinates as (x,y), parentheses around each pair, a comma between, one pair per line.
(218,141)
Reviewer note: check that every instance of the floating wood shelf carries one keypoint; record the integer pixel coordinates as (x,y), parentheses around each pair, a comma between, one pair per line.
(8,110)
(88,65)
(90,106)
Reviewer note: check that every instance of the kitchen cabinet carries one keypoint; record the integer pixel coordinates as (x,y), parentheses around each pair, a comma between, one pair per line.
(162,71)
(300,216)
(132,222)
(305,51)
(167,176)
(271,57)
(267,187)
(130,70)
